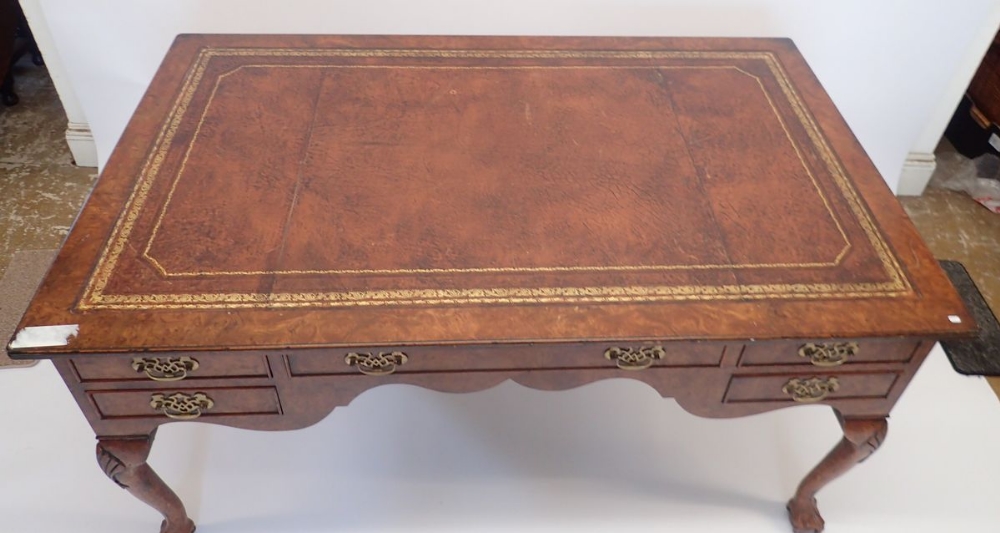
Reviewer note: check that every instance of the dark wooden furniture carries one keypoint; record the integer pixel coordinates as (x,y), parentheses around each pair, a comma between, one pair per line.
(9,11)
(984,89)
(290,221)
(16,40)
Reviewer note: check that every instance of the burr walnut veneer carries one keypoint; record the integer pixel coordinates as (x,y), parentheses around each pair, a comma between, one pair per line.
(288,221)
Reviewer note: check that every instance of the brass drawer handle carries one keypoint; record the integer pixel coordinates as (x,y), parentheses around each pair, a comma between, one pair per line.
(828,353)
(810,390)
(181,406)
(383,364)
(165,368)
(634,358)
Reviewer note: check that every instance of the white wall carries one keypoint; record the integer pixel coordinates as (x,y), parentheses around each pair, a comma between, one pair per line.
(890,65)
(78,136)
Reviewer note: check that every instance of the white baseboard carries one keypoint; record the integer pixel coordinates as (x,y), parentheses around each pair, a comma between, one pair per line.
(917,171)
(81,144)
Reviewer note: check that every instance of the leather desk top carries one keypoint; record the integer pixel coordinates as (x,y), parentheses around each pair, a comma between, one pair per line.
(279,191)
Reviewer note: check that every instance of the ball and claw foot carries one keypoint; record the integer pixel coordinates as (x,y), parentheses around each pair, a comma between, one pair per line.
(186,527)
(862,436)
(123,459)
(804,516)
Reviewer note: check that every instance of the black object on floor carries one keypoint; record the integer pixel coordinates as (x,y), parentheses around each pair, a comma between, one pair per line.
(969,131)
(980,355)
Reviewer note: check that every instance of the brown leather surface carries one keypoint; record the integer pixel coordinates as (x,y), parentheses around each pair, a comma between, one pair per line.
(297,191)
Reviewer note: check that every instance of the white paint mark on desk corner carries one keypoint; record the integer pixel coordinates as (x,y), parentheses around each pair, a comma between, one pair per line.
(954,319)
(44,336)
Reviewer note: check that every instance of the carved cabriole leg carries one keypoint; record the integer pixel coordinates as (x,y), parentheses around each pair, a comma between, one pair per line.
(124,461)
(862,436)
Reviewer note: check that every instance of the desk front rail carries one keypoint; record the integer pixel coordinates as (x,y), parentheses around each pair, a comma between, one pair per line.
(132,394)
(126,397)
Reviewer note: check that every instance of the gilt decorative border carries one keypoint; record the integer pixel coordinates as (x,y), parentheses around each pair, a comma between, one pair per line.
(95,297)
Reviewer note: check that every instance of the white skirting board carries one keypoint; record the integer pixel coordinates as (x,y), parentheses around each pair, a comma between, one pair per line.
(81,144)
(917,171)
(610,456)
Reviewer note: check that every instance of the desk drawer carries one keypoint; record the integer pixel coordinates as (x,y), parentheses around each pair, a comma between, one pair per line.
(388,360)
(827,353)
(169,367)
(186,404)
(808,388)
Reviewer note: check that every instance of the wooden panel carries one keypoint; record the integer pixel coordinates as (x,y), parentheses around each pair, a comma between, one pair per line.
(227,401)
(210,365)
(769,387)
(484,358)
(985,86)
(869,351)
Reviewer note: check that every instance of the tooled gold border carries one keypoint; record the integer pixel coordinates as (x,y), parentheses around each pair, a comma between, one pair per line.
(94,296)
(624,268)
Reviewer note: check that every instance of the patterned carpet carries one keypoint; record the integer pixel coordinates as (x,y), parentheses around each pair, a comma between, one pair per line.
(18,284)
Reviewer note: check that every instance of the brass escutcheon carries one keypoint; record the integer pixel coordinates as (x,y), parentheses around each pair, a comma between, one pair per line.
(630,358)
(808,390)
(383,364)
(828,353)
(181,406)
(165,368)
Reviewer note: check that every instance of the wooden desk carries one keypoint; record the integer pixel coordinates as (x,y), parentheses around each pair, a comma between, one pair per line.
(290,221)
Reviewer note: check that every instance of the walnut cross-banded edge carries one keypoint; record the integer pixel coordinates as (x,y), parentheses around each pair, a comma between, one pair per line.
(288,221)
